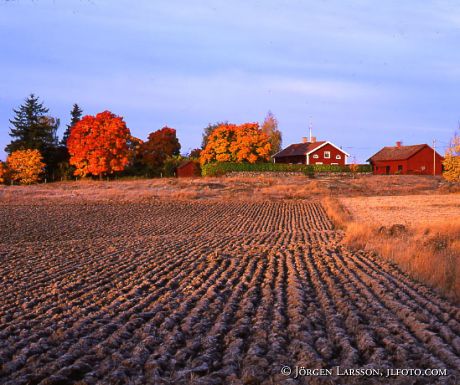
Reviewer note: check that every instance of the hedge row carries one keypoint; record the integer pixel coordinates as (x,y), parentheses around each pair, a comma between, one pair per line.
(216,169)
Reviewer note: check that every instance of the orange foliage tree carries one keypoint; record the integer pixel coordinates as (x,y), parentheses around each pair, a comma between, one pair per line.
(98,144)
(3,172)
(233,143)
(25,166)
(160,145)
(354,167)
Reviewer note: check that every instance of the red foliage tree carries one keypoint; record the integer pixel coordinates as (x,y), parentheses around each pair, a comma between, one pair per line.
(160,145)
(98,144)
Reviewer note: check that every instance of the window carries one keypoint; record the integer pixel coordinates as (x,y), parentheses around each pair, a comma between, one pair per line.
(315,156)
(319,162)
(335,163)
(338,157)
(327,154)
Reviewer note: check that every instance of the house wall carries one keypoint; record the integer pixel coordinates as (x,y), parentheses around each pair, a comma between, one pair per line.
(420,163)
(380,168)
(333,151)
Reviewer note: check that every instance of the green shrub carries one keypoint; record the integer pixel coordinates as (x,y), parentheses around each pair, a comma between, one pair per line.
(170,165)
(222,168)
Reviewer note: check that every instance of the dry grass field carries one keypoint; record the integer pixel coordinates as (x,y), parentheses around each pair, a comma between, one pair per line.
(420,233)
(235,188)
(133,283)
(261,187)
(406,209)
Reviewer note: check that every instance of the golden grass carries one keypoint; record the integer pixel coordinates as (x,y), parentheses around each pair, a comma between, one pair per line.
(371,185)
(234,188)
(404,209)
(428,251)
(337,212)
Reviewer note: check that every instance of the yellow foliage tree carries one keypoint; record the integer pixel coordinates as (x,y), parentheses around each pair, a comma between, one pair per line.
(270,127)
(232,143)
(354,167)
(452,160)
(3,171)
(25,166)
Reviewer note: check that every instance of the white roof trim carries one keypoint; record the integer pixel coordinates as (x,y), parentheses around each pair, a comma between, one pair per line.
(327,142)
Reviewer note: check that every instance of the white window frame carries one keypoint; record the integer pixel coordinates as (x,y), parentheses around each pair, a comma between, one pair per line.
(327,155)
(319,163)
(338,157)
(315,156)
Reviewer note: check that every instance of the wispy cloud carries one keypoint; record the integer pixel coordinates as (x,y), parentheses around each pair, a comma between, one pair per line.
(366,71)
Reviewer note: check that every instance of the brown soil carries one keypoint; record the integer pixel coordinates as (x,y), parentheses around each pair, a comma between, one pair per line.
(206,293)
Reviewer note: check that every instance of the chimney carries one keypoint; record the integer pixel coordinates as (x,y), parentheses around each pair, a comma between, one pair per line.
(313,139)
(304,139)
(398,143)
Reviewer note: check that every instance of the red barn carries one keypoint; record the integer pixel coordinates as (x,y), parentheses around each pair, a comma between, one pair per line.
(312,152)
(188,169)
(417,159)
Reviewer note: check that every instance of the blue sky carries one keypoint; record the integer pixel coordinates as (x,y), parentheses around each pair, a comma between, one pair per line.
(366,73)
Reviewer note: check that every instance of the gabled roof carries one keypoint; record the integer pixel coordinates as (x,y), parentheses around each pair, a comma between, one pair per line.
(396,152)
(331,144)
(297,149)
(302,149)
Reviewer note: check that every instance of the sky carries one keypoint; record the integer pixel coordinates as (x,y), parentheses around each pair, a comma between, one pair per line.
(364,73)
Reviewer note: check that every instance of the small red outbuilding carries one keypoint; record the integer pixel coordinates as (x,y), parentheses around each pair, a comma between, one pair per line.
(418,159)
(188,169)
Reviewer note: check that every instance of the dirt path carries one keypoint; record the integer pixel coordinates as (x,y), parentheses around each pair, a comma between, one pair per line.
(207,293)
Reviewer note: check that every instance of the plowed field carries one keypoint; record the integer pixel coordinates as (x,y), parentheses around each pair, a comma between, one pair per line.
(206,293)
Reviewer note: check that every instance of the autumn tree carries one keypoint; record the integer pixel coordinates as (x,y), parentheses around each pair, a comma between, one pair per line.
(98,145)
(160,145)
(354,167)
(208,130)
(233,143)
(135,165)
(452,160)
(25,166)
(3,172)
(270,128)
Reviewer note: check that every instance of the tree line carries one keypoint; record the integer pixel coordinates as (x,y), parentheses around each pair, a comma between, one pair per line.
(102,145)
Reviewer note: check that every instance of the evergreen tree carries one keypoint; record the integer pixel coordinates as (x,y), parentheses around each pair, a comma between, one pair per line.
(32,128)
(75,115)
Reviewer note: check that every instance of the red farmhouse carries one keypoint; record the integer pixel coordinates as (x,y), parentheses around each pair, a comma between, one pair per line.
(311,152)
(417,159)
